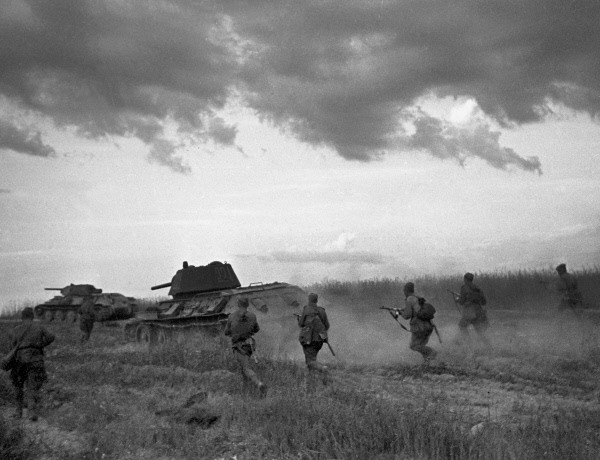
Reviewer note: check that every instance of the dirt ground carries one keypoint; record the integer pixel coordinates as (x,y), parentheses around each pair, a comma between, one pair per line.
(551,363)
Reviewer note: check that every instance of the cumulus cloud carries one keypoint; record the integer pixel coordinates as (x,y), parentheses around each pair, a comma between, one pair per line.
(339,73)
(444,141)
(4,190)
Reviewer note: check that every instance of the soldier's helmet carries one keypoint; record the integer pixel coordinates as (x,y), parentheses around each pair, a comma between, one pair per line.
(27,313)
(313,298)
(243,302)
(561,268)
(409,287)
(469,276)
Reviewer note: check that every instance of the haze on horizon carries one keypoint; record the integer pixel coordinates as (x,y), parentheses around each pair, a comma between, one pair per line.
(296,140)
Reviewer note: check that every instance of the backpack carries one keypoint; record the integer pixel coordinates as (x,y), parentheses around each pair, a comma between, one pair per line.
(312,329)
(427,311)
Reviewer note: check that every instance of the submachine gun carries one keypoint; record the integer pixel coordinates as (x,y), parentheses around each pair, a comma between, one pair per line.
(395,313)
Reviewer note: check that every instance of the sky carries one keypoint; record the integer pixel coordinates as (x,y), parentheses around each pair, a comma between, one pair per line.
(297,140)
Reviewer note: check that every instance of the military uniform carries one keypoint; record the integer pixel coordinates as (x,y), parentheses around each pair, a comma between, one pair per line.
(241,326)
(29,370)
(420,329)
(314,325)
(86,319)
(568,288)
(472,300)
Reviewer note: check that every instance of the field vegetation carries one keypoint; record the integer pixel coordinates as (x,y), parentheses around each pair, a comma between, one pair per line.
(535,395)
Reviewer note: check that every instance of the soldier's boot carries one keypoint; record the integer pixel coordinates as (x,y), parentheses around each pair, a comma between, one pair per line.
(430,356)
(262,388)
(33,408)
(18,411)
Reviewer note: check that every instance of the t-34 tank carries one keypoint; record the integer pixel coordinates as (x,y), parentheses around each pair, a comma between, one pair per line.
(107,306)
(202,299)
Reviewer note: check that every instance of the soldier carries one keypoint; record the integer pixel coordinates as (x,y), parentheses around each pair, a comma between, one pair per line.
(29,369)
(86,318)
(314,325)
(567,286)
(420,329)
(241,326)
(472,299)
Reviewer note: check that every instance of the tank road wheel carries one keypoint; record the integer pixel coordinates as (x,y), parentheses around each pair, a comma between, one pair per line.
(71,316)
(145,334)
(162,336)
(48,315)
(59,315)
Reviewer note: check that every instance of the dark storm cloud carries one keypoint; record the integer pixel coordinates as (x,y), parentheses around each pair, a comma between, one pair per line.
(117,68)
(325,257)
(338,73)
(23,140)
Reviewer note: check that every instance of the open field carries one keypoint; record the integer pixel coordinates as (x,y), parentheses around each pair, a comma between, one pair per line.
(536,395)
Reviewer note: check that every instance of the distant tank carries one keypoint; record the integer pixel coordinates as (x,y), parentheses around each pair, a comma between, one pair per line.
(202,299)
(107,306)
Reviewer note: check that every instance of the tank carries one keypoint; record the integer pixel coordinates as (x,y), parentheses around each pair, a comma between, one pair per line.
(107,306)
(202,297)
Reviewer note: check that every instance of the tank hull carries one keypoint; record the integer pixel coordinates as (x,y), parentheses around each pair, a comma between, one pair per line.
(208,311)
(107,307)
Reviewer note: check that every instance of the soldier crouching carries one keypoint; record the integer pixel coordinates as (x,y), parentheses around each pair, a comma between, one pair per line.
(29,370)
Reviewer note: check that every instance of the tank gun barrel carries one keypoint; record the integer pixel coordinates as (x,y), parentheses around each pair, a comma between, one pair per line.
(160,286)
(53,289)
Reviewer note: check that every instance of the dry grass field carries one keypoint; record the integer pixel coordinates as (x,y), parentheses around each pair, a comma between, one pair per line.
(535,395)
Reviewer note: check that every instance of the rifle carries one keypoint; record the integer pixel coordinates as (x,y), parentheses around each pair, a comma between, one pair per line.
(397,311)
(395,316)
(436,331)
(454,297)
(330,349)
(326,340)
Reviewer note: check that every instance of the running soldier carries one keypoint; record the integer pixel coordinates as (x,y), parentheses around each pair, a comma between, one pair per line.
(567,287)
(420,329)
(472,299)
(29,370)
(241,326)
(314,325)
(86,318)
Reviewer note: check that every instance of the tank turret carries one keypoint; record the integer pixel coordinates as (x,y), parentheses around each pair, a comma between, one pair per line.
(190,280)
(77,290)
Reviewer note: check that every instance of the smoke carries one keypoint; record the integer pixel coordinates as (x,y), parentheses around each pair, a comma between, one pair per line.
(331,73)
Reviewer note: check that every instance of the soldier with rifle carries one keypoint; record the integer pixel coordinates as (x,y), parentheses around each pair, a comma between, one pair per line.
(420,327)
(472,300)
(314,325)
(420,313)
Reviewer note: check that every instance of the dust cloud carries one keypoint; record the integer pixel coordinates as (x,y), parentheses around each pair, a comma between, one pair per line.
(371,337)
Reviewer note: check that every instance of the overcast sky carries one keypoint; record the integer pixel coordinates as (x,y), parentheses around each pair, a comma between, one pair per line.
(297,140)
